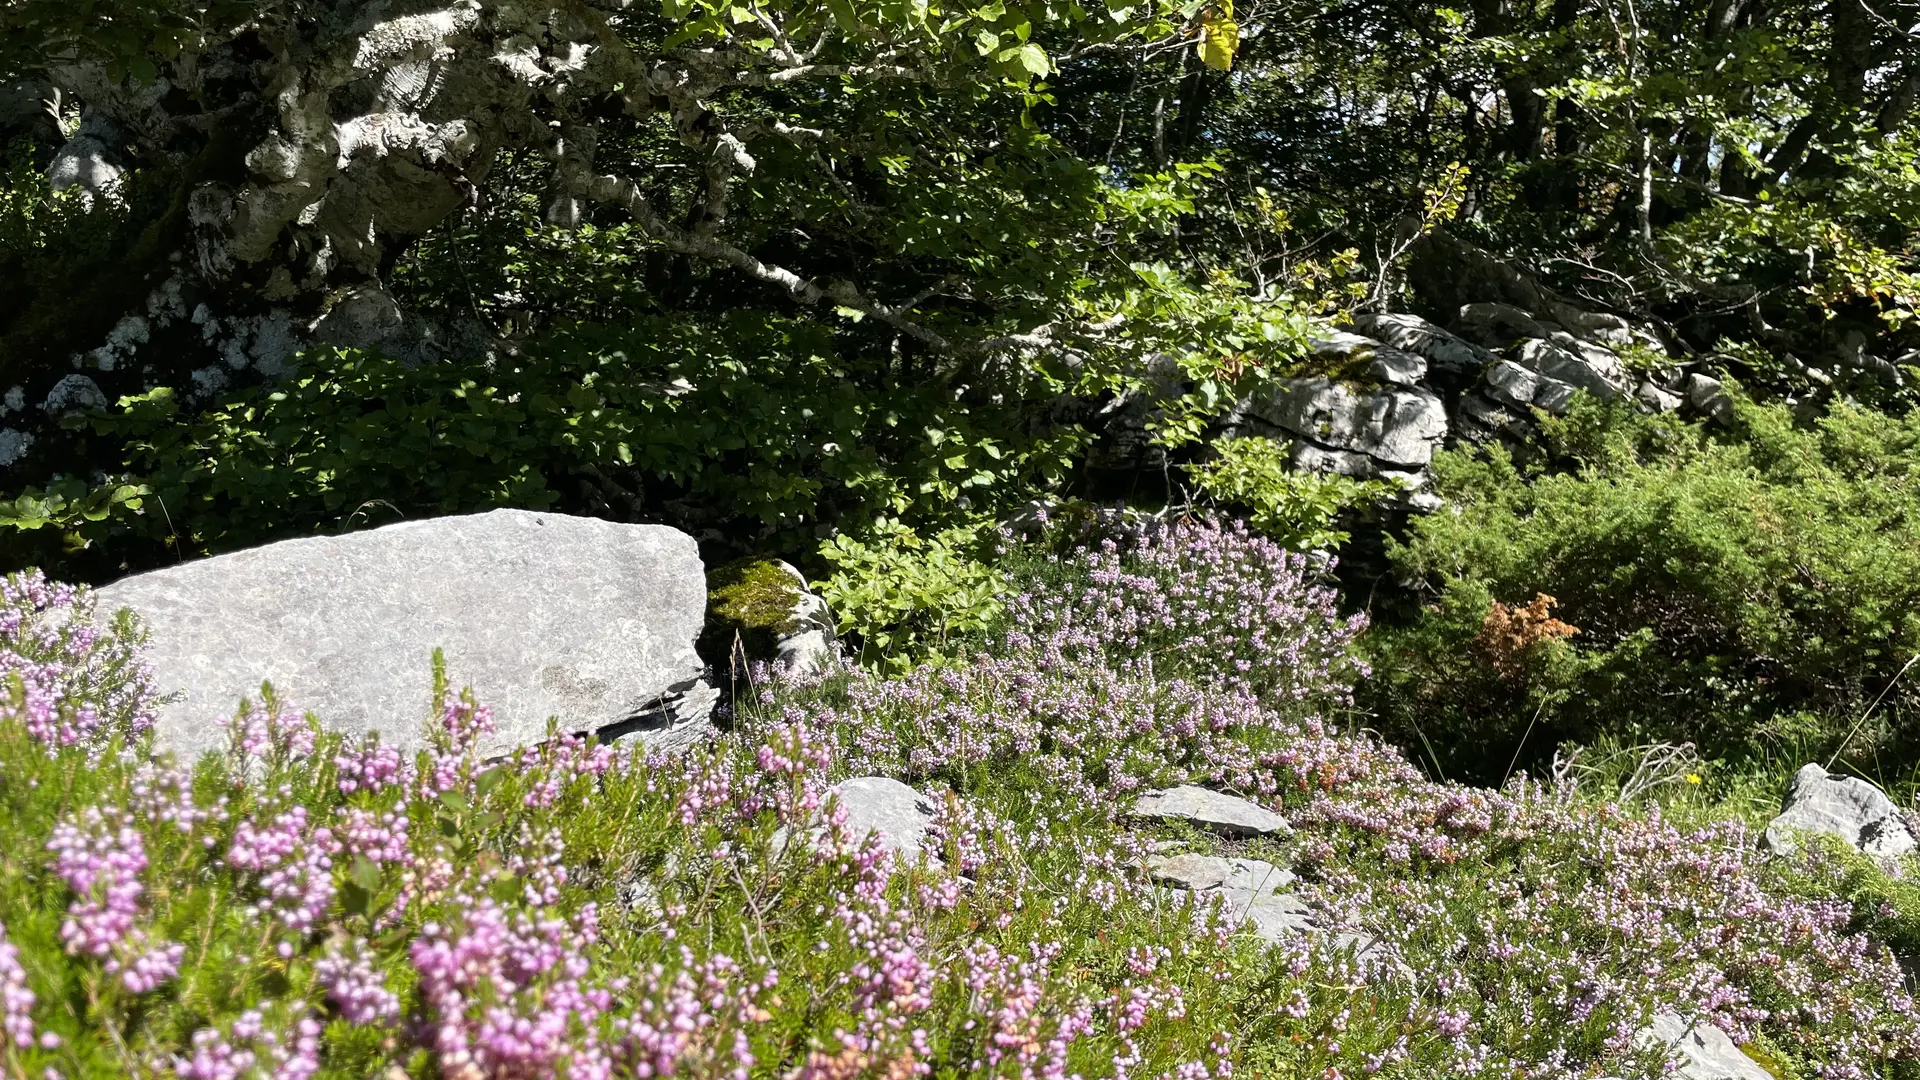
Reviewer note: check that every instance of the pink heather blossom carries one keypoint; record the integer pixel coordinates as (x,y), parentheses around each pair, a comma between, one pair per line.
(81,686)
(102,861)
(16,1000)
(355,988)
(293,864)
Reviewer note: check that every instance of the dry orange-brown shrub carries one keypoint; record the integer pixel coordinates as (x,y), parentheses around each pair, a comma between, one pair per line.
(1511,632)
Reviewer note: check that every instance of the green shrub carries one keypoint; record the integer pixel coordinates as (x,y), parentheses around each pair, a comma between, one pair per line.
(749,425)
(908,598)
(1298,509)
(1725,587)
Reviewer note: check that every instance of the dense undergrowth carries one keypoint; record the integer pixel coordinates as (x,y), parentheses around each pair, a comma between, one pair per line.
(300,905)
(1753,590)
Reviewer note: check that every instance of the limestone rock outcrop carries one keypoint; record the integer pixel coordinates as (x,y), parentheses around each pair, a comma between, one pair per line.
(543,615)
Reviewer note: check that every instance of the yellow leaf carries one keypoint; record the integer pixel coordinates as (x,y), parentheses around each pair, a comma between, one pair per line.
(1219,37)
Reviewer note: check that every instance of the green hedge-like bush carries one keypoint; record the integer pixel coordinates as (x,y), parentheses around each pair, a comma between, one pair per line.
(1760,582)
(750,425)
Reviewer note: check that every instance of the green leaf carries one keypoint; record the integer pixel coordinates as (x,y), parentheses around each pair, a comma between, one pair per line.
(1031,58)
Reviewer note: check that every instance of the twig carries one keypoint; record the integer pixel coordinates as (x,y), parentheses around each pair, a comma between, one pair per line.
(1858,724)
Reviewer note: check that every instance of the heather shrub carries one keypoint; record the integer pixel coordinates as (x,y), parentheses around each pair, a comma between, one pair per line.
(1725,588)
(306,905)
(1182,651)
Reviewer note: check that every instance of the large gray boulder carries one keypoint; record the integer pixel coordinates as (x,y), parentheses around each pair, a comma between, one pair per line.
(544,615)
(1848,807)
(1397,427)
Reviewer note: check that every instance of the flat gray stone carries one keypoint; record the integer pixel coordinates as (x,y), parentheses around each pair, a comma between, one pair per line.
(1848,807)
(1410,333)
(1396,426)
(900,815)
(544,615)
(1228,815)
(1396,368)
(1496,326)
(1579,364)
(1382,362)
(1511,384)
(1704,1051)
(1250,891)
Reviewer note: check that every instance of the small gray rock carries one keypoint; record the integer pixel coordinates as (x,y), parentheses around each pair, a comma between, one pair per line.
(900,815)
(1228,815)
(1248,889)
(544,615)
(1705,1052)
(1708,397)
(1848,807)
(1586,366)
(805,645)
(72,394)
(1656,400)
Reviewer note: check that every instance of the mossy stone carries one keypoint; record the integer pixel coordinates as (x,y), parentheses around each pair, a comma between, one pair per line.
(753,600)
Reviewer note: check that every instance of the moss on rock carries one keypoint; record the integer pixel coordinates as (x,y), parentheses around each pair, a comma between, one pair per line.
(754,600)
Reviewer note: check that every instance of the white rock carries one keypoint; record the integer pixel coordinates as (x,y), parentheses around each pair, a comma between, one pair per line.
(1228,815)
(881,805)
(1705,1052)
(544,615)
(1848,807)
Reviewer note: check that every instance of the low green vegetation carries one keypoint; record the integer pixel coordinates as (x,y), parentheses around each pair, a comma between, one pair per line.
(1753,590)
(1300,509)
(307,905)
